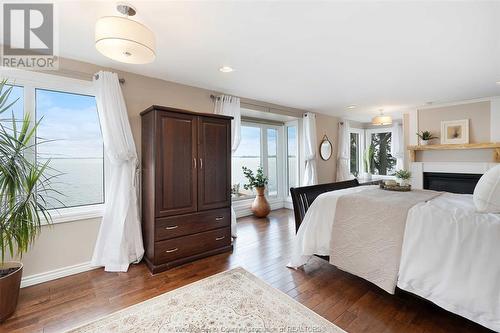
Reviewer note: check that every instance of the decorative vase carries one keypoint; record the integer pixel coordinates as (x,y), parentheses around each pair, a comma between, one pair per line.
(424,142)
(260,206)
(9,288)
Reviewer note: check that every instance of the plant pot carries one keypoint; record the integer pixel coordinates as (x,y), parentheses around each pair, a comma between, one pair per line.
(9,289)
(424,142)
(260,206)
(403,182)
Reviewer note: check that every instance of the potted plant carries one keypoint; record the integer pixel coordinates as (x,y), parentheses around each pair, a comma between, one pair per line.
(425,137)
(368,155)
(23,206)
(260,206)
(403,176)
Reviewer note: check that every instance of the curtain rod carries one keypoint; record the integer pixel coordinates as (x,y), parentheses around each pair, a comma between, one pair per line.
(122,81)
(214,97)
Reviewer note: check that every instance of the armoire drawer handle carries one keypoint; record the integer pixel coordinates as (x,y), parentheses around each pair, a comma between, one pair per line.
(172,227)
(170,251)
(220,238)
(218,218)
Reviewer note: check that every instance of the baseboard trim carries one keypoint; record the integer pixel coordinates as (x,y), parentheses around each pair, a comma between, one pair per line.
(55,274)
(246,211)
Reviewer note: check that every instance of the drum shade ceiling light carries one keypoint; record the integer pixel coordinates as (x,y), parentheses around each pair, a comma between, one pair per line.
(123,39)
(382,119)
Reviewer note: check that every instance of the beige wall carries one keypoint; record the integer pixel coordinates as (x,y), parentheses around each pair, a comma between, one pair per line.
(329,126)
(72,243)
(477,113)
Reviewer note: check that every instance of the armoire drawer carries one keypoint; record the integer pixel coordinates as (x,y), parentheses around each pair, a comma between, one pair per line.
(181,225)
(182,247)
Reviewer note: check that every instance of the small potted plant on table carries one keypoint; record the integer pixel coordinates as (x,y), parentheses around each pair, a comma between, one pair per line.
(403,176)
(260,206)
(426,137)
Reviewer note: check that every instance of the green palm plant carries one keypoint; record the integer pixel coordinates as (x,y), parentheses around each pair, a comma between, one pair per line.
(24,185)
(368,155)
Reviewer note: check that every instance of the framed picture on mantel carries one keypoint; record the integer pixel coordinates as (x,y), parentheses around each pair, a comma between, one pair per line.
(455,132)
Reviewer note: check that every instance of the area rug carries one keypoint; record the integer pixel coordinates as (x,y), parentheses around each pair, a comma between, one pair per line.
(232,301)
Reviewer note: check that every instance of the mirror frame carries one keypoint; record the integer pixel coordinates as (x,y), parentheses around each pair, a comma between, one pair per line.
(325,139)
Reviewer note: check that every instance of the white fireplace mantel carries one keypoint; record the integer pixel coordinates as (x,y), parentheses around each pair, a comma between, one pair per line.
(418,169)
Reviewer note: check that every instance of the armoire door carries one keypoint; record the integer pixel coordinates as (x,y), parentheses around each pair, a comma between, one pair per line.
(176,163)
(214,156)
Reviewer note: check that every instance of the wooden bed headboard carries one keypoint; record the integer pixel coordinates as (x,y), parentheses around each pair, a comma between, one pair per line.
(303,197)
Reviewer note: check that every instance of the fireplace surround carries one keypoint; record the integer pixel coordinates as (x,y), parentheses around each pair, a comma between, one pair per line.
(458,177)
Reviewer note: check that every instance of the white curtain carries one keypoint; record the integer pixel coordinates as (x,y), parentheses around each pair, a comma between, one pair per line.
(119,242)
(230,106)
(343,172)
(397,146)
(310,146)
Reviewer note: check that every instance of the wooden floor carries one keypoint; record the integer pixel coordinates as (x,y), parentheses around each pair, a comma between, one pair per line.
(263,248)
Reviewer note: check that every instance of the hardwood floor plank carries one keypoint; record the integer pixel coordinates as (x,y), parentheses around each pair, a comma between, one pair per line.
(263,248)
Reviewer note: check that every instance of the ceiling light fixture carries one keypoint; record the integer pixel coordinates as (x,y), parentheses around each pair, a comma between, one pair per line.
(226,69)
(382,119)
(123,39)
(498,82)
(350,107)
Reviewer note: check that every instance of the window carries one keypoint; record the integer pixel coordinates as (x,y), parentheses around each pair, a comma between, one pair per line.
(260,146)
(356,149)
(382,162)
(354,154)
(248,154)
(70,136)
(292,170)
(272,161)
(16,110)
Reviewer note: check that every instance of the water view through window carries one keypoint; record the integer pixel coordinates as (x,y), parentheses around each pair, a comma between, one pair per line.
(248,155)
(70,136)
(292,157)
(272,161)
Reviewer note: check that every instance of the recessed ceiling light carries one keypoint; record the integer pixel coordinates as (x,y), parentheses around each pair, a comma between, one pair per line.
(226,69)
(351,106)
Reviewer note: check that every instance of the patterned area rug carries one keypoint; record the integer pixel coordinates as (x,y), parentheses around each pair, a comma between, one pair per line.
(232,301)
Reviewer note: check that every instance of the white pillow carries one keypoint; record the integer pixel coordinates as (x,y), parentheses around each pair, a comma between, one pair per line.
(487,192)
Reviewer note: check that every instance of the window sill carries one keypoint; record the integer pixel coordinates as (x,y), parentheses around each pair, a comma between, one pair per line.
(74,214)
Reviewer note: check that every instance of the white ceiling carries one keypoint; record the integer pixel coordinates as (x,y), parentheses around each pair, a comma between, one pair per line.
(319,56)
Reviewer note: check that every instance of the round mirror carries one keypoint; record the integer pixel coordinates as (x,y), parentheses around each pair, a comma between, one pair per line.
(325,149)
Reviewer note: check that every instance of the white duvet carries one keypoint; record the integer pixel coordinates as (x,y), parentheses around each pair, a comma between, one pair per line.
(451,253)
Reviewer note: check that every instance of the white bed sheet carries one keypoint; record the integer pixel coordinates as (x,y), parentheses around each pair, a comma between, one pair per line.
(451,253)
(451,256)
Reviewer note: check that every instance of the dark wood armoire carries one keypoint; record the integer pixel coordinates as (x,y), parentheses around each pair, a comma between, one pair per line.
(186,186)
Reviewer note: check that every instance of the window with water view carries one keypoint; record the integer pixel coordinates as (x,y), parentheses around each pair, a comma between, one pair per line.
(71,138)
(259,146)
